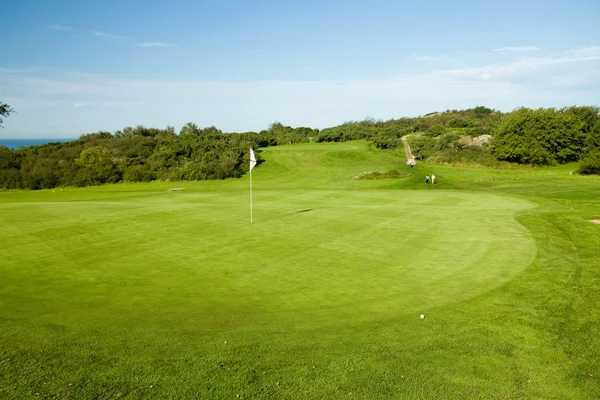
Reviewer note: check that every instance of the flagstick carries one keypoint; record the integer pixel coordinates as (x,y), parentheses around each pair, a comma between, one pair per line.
(252,164)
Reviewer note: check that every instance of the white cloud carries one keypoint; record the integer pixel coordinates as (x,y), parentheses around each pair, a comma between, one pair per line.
(130,41)
(46,99)
(591,51)
(516,49)
(116,38)
(583,64)
(113,37)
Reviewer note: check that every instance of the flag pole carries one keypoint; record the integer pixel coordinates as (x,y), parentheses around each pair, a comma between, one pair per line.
(252,164)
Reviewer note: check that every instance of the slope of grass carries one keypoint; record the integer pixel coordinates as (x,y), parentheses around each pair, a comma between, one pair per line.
(132,291)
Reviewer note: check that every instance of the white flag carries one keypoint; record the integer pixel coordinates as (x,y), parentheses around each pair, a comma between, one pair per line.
(252,159)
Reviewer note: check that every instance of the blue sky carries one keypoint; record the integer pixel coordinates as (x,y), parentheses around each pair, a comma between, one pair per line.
(73,67)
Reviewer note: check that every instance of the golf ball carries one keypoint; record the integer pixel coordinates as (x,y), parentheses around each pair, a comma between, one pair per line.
(422,316)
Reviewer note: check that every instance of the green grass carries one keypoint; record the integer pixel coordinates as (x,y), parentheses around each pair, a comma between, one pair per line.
(133,291)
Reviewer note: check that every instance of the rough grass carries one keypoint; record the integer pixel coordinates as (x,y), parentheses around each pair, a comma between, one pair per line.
(130,291)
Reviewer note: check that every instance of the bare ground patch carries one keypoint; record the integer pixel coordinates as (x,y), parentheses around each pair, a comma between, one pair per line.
(596,221)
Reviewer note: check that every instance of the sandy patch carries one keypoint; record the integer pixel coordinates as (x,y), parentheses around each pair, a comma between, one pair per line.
(409,155)
(175,189)
(596,221)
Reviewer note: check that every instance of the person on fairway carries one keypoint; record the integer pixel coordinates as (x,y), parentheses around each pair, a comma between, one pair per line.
(427,179)
(432,179)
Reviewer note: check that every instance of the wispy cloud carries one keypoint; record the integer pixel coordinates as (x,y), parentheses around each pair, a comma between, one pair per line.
(116,38)
(113,37)
(591,51)
(108,103)
(156,44)
(59,27)
(516,49)
(131,41)
(582,63)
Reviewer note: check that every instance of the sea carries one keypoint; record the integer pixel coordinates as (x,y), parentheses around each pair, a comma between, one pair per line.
(17,143)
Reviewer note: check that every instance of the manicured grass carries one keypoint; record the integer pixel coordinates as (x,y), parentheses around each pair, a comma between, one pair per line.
(134,291)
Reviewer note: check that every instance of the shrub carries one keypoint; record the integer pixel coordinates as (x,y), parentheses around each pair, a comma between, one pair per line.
(590,163)
(435,130)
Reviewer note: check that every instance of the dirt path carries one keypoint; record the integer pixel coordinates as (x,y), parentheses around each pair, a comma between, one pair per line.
(409,155)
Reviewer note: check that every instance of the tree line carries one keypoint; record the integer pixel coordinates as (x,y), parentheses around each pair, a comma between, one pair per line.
(140,154)
(544,136)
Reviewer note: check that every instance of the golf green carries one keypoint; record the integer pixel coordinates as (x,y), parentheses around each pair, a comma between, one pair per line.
(142,291)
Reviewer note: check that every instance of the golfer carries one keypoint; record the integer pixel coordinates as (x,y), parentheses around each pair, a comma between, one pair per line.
(432,179)
(427,179)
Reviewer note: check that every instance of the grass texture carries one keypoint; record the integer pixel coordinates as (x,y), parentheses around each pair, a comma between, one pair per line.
(136,291)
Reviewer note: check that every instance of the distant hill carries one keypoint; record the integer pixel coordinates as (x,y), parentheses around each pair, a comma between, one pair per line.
(480,135)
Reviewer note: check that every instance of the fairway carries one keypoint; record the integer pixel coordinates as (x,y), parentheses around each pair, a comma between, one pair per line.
(85,271)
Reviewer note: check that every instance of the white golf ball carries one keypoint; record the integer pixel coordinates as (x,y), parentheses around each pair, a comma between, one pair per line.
(422,316)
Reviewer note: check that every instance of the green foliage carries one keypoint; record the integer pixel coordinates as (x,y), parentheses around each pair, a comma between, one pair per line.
(590,163)
(482,112)
(389,137)
(538,137)
(343,133)
(479,130)
(139,173)
(471,155)
(592,140)
(452,148)
(435,130)
(135,155)
(459,123)
(423,146)
(5,111)
(386,134)
(543,136)
(190,129)
(279,134)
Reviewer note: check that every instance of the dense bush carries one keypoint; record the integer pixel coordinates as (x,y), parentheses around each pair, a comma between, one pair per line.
(348,131)
(545,136)
(468,155)
(459,123)
(590,163)
(435,130)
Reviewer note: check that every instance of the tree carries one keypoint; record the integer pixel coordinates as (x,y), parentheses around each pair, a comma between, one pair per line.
(97,167)
(190,129)
(5,111)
